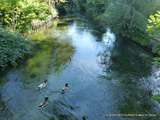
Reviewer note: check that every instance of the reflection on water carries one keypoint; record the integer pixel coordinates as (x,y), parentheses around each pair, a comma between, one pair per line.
(105,55)
(80,60)
(154,85)
(109,39)
(132,67)
(81,37)
(50,54)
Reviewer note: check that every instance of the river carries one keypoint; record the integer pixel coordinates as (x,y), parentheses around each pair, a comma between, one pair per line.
(107,75)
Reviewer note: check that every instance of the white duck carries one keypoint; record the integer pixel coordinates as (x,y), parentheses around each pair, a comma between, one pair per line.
(43,85)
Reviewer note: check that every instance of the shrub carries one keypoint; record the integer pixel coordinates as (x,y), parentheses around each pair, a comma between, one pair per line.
(12,48)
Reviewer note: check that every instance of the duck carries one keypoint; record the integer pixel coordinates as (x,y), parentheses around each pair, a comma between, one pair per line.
(43,84)
(65,88)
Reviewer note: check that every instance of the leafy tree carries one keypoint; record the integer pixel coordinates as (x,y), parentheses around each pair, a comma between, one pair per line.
(154,25)
(18,14)
(127,18)
(153,29)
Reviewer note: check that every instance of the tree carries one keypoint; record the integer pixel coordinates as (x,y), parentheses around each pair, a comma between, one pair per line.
(18,14)
(153,27)
(127,18)
(153,30)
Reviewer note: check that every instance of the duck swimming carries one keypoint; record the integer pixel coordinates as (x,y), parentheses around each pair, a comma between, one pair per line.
(43,84)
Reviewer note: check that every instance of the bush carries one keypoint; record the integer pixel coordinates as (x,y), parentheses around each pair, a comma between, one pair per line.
(12,48)
(18,15)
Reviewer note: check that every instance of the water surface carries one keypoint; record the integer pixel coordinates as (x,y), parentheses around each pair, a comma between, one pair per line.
(107,75)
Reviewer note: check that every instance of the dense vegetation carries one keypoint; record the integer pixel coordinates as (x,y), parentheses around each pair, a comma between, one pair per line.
(22,16)
(19,14)
(128,18)
(12,47)
(153,27)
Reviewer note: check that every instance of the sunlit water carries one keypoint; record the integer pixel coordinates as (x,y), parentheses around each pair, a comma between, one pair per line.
(105,77)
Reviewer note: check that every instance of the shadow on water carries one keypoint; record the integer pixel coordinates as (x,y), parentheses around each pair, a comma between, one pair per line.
(130,68)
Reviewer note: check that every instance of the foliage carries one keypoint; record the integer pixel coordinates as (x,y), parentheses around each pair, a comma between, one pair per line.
(18,14)
(156,97)
(12,48)
(153,29)
(130,20)
(156,61)
(127,18)
(154,25)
